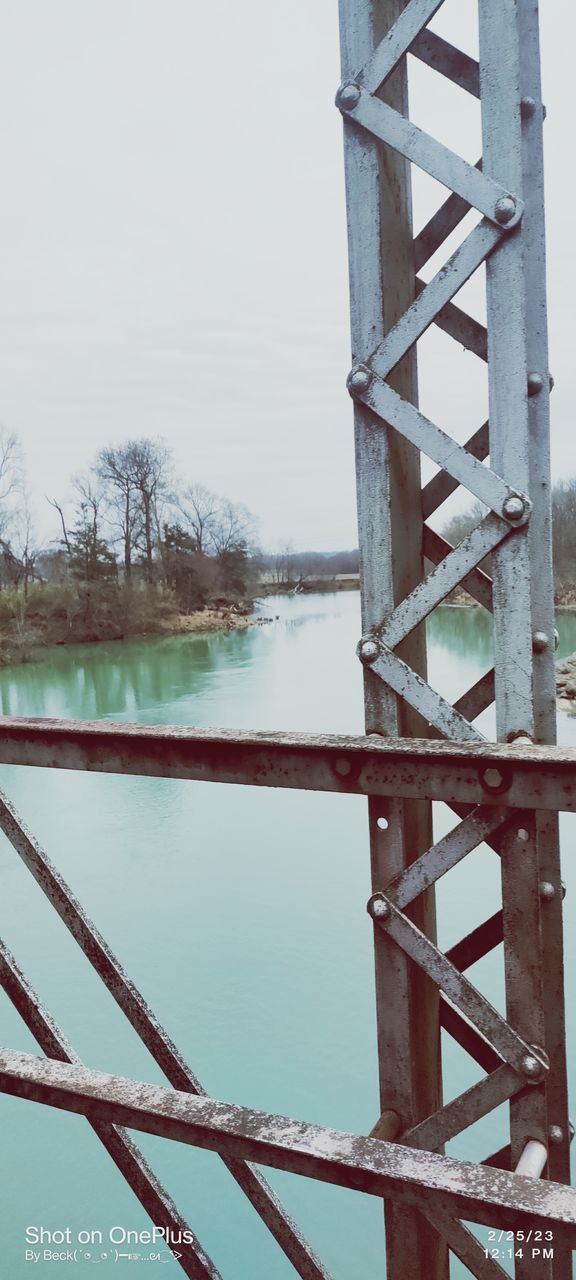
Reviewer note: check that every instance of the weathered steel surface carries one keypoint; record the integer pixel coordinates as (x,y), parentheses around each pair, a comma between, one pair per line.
(531,777)
(444,855)
(449,61)
(388,485)
(152,1033)
(432,156)
(542,589)
(453,570)
(477,943)
(483,483)
(443,484)
(481,242)
(476,583)
(473,1192)
(465,329)
(451,981)
(431,705)
(456,1116)
(516,486)
(398,39)
(467,1248)
(439,227)
(468,1037)
(479,696)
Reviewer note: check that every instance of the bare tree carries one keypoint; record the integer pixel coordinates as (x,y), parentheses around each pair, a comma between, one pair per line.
(11,465)
(58,507)
(150,466)
(24,545)
(233,528)
(115,468)
(11,480)
(200,509)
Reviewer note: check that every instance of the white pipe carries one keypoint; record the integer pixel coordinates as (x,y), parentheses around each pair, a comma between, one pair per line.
(533,1159)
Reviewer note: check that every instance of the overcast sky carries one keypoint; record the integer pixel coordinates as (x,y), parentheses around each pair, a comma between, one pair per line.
(173,249)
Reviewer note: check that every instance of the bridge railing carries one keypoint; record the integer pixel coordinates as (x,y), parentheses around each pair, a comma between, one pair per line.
(497,790)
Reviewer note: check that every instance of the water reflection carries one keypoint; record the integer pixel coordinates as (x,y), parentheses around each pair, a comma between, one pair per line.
(91,682)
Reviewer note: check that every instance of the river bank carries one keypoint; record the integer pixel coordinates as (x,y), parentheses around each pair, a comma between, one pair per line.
(29,644)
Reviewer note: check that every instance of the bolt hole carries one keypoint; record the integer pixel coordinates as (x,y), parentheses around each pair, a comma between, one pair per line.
(523,834)
(382,823)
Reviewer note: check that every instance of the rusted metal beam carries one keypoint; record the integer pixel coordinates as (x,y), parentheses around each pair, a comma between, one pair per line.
(127,1157)
(388,486)
(477,583)
(441,225)
(468,1249)
(443,484)
(388,1170)
(478,943)
(445,854)
(532,777)
(467,1037)
(462,1112)
(286,1233)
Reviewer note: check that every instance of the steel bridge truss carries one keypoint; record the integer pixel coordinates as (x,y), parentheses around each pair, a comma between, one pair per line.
(498,786)
(418,747)
(504,466)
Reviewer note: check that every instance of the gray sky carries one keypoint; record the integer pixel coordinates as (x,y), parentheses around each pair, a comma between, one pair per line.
(173,252)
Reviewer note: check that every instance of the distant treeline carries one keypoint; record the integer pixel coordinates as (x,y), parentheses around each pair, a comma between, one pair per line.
(133,545)
(291,567)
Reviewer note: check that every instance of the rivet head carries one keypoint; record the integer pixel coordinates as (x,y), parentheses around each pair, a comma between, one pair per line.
(492,779)
(347,97)
(513,508)
(378,907)
(555,1134)
(563,888)
(546,890)
(368,650)
(527,108)
(540,641)
(343,767)
(505,210)
(532,1068)
(556,638)
(535,383)
(551,382)
(359,379)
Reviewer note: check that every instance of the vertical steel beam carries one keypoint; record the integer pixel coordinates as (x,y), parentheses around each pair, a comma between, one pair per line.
(390,523)
(544,683)
(523,582)
(382,286)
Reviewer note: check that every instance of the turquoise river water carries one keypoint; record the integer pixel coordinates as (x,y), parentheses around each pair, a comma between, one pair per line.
(241,916)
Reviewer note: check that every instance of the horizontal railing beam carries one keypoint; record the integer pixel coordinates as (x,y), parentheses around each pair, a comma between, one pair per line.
(526,776)
(473,1192)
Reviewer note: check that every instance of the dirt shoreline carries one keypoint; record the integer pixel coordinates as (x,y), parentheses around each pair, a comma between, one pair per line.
(208,620)
(32,647)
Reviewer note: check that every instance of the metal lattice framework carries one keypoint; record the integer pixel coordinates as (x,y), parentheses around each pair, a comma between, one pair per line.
(506,795)
(408,1175)
(391,310)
